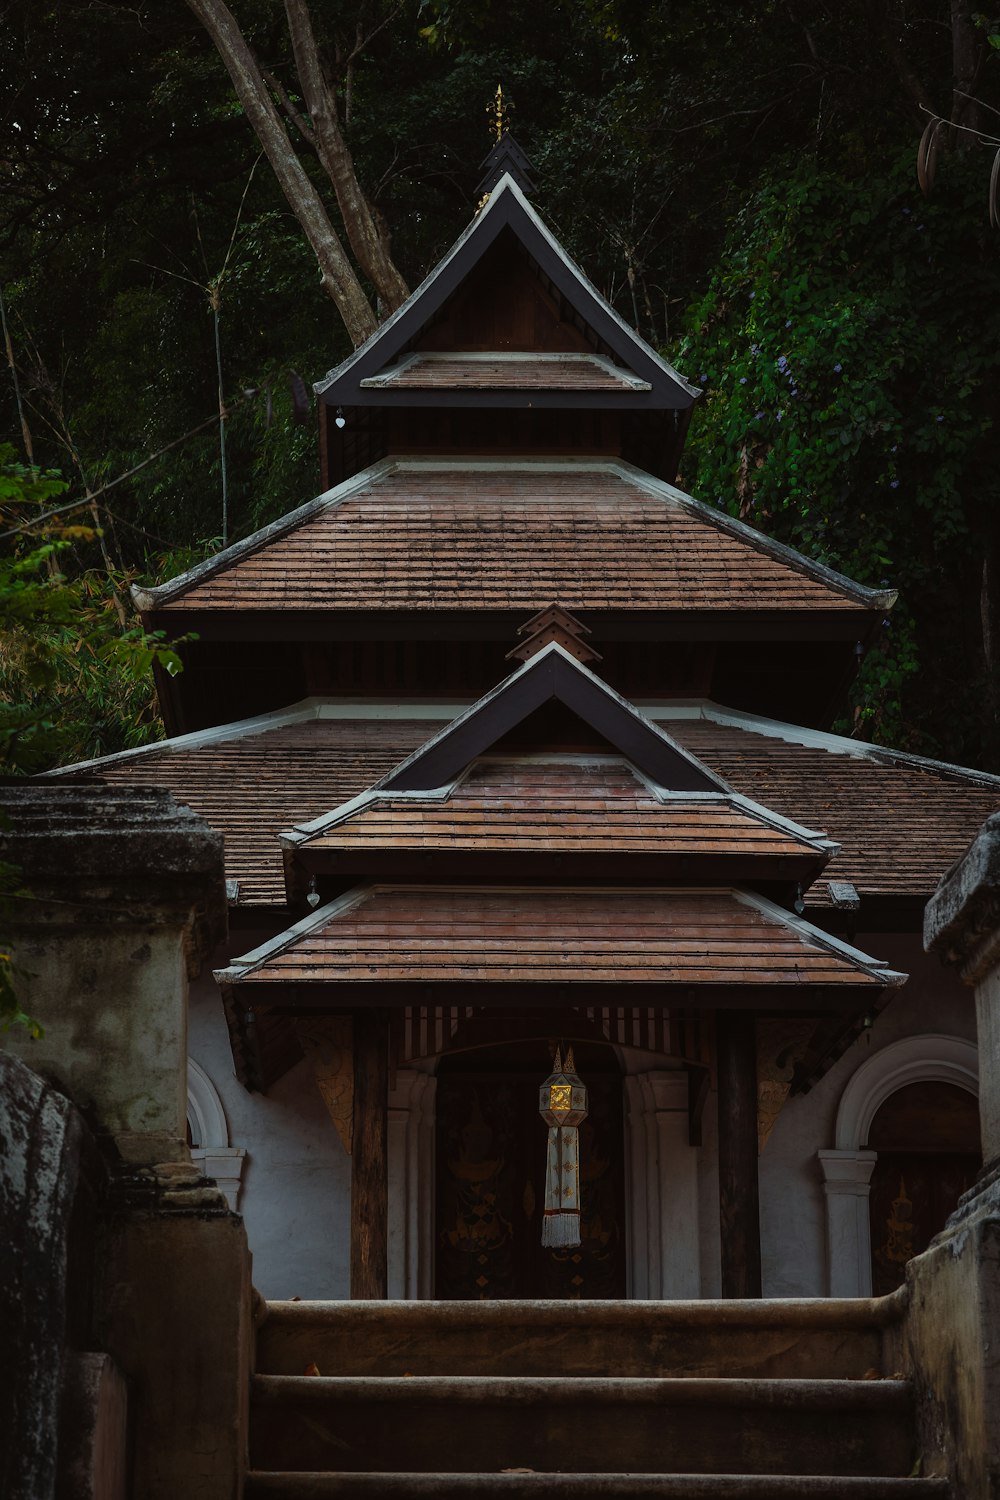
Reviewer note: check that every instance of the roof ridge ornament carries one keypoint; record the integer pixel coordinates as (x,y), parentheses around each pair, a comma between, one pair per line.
(506,156)
(553,623)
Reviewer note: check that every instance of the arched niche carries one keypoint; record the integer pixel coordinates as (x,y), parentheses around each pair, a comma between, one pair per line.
(848,1166)
(209,1130)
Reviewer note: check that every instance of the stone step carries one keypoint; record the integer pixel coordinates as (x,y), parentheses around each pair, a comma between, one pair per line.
(292,1486)
(461,1424)
(832,1338)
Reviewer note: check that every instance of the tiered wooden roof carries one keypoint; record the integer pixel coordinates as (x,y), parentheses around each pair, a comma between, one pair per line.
(378,942)
(900,820)
(448,535)
(535,815)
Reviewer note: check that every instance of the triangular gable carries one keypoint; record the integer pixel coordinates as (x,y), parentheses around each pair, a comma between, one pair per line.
(552,674)
(507,208)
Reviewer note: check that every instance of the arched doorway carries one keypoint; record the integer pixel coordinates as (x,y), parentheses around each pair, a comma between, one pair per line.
(848,1167)
(490,1177)
(926,1137)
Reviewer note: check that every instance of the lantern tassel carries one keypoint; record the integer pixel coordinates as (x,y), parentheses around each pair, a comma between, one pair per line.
(561,1221)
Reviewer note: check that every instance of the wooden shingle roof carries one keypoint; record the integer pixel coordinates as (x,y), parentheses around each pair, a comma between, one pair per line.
(251,786)
(435,535)
(574,807)
(900,821)
(418,935)
(502,372)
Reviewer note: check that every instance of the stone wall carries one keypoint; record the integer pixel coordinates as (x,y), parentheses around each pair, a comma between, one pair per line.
(952,1330)
(126,1300)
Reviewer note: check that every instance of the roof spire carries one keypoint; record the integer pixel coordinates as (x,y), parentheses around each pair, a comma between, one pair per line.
(499,109)
(505,155)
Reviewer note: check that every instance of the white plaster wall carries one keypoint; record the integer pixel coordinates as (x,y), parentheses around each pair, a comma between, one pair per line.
(793,1210)
(295,1193)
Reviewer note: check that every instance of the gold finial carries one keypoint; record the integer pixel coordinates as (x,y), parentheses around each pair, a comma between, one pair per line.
(498,110)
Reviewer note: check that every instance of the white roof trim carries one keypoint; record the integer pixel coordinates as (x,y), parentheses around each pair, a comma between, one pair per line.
(819,739)
(308,708)
(876,967)
(238,968)
(154,598)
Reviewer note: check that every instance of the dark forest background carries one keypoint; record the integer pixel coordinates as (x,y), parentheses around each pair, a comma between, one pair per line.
(739,179)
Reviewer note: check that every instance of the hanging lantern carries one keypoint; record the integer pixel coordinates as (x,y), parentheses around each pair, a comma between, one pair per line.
(562,1104)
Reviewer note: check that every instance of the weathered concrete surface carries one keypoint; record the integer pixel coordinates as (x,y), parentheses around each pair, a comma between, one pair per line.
(93,1438)
(534,1486)
(823,1339)
(962,926)
(176,1299)
(126,893)
(126,890)
(951,1343)
(40,1135)
(460,1423)
(952,1352)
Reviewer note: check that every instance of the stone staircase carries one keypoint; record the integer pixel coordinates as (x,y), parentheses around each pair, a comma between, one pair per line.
(715,1400)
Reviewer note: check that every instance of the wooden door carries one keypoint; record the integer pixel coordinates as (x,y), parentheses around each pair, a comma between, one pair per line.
(491,1180)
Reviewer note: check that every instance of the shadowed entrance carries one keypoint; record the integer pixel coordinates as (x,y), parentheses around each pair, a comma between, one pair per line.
(491,1178)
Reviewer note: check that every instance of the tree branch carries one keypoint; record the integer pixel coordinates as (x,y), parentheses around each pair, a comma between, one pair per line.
(363,233)
(338,277)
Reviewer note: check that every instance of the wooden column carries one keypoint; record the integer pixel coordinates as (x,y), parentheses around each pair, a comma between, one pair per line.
(369,1157)
(739,1197)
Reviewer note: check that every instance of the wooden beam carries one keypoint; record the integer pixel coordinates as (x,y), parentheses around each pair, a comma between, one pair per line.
(369,1158)
(739,1195)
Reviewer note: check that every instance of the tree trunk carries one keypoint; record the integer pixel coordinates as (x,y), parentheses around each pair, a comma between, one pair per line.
(968,48)
(363,233)
(338,277)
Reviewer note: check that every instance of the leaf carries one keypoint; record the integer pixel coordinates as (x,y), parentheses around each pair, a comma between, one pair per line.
(994,197)
(927,154)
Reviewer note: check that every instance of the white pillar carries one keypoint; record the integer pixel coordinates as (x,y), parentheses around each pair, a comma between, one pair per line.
(411,1185)
(663,1246)
(847,1185)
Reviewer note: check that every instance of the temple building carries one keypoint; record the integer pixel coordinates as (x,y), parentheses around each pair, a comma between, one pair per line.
(515,746)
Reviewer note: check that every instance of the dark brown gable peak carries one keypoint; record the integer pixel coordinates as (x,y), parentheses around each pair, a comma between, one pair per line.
(552,674)
(507,208)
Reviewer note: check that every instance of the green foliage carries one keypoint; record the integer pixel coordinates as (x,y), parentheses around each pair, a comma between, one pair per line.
(849,347)
(74,681)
